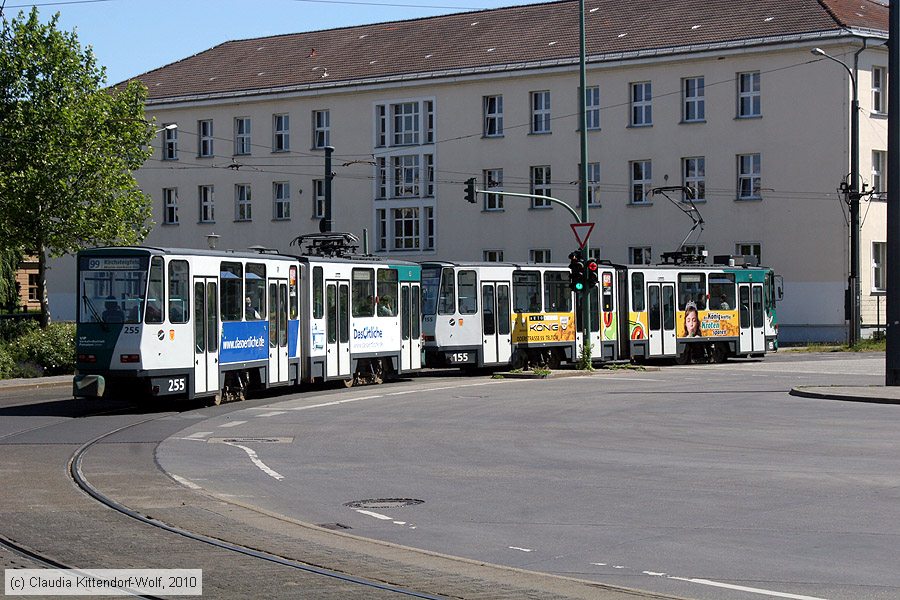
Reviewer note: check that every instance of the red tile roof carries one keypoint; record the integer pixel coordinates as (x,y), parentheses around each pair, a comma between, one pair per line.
(512,36)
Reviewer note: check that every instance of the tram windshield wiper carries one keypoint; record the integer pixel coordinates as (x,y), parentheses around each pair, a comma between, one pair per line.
(90,304)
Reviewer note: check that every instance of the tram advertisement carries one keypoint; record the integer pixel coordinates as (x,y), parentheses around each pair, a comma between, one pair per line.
(707,323)
(543,328)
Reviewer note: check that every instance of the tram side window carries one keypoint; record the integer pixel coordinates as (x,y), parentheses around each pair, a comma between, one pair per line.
(637,292)
(557,295)
(363,292)
(447,300)
(255,290)
(721,291)
(179,296)
(155,292)
(692,288)
(318,289)
(468,288)
(527,291)
(388,284)
(231,290)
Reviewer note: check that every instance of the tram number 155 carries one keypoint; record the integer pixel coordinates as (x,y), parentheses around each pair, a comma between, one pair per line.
(460,357)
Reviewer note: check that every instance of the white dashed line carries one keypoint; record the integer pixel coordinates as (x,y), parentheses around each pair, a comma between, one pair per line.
(374,514)
(521,549)
(233,424)
(742,588)
(198,436)
(255,460)
(274,413)
(186,483)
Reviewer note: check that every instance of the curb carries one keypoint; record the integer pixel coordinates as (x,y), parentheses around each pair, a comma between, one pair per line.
(37,383)
(844,396)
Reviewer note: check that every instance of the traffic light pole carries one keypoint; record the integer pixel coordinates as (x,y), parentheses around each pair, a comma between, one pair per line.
(537,196)
(583,178)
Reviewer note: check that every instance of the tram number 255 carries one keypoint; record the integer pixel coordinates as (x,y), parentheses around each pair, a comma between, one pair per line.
(176,385)
(460,357)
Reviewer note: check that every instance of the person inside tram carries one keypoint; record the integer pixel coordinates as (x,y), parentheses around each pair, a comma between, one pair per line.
(385,307)
(723,303)
(252,313)
(112,312)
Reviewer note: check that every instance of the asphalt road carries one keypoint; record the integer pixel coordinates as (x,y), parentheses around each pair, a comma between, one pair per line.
(707,482)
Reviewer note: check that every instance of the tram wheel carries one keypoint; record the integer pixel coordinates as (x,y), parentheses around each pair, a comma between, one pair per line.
(553,360)
(217,399)
(348,383)
(519,360)
(719,352)
(684,358)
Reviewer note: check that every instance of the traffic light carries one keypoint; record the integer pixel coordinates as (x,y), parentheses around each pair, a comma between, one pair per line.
(470,189)
(576,272)
(593,273)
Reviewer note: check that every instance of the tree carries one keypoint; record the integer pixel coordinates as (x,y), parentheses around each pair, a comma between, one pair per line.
(10,258)
(68,146)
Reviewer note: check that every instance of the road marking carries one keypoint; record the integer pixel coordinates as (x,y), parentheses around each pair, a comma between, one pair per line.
(374,514)
(521,549)
(198,435)
(233,424)
(255,460)
(599,564)
(274,413)
(185,482)
(654,574)
(742,588)
(335,403)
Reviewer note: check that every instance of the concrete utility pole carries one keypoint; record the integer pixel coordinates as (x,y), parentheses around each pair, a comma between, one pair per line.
(583,188)
(892,356)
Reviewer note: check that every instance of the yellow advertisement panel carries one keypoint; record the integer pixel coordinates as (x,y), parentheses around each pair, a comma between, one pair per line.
(608,326)
(708,323)
(528,328)
(637,325)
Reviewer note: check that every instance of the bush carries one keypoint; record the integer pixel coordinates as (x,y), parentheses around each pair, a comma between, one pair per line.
(15,327)
(48,351)
(7,363)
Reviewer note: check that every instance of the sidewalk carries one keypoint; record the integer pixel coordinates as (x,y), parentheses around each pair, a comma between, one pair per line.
(878,394)
(35,383)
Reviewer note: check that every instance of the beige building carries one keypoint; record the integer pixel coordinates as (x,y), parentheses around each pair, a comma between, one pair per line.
(723,97)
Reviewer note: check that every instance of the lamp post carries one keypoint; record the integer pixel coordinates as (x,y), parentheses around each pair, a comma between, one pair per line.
(853,195)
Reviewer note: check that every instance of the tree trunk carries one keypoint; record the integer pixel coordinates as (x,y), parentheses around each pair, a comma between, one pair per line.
(42,286)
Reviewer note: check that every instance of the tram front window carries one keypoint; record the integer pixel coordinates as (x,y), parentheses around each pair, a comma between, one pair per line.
(431,286)
(112,289)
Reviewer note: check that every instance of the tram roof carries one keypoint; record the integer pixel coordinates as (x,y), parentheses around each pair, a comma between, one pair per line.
(155,250)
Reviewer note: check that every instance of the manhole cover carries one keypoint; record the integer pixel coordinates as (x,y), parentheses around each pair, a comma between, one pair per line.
(384,503)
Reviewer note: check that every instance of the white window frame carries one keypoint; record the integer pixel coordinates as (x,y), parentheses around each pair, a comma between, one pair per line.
(381,178)
(321,120)
(170,206)
(693,175)
(879,90)
(493,116)
(406,227)
(592,107)
(641,97)
(749,249)
(205,138)
(243,204)
(595,252)
(693,93)
(879,175)
(492,255)
(492,179)
(879,270)
(540,112)
(242,143)
(406,173)
(749,100)
(169,142)
(540,255)
(281,201)
(381,228)
(640,255)
(406,123)
(640,181)
(281,132)
(749,176)
(593,185)
(430,226)
(540,182)
(318,199)
(206,195)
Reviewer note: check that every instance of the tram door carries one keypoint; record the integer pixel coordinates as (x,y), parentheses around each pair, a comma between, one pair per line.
(661,317)
(278,333)
(752,317)
(337,335)
(410,326)
(496,322)
(206,335)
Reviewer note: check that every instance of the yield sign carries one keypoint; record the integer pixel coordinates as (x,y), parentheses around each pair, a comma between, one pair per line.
(582,232)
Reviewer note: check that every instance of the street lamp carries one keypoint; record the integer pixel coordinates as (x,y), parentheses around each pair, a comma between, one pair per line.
(853,195)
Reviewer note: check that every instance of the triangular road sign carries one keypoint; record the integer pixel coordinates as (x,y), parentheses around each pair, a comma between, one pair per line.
(582,232)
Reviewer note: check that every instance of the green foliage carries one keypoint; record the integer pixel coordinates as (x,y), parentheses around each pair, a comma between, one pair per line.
(49,351)
(12,329)
(9,263)
(7,364)
(584,362)
(69,147)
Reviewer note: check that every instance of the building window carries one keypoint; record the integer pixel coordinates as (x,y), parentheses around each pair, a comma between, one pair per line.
(540,185)
(406,123)
(592,107)
(748,95)
(429,174)
(242,206)
(641,104)
(380,177)
(595,253)
(749,180)
(242,136)
(205,137)
(170,143)
(749,249)
(207,204)
(406,228)
(170,206)
(879,273)
(640,181)
(406,176)
(540,112)
(321,128)
(429,121)
(639,255)
(539,255)
(33,283)
(381,229)
(380,126)
(281,126)
(694,176)
(593,187)
(694,249)
(281,201)
(318,207)
(429,227)
(493,116)
(493,181)
(879,90)
(694,100)
(492,256)
(879,175)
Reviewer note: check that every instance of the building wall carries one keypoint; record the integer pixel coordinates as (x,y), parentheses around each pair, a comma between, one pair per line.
(802,138)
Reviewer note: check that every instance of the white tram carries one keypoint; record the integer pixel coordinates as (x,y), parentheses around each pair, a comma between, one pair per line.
(195,323)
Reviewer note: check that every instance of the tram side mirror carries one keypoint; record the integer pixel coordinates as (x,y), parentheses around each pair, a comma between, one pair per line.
(779,288)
